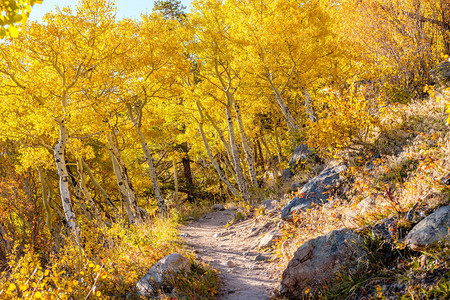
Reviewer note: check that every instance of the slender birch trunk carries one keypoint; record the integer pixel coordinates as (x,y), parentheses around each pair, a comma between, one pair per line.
(219,132)
(242,183)
(92,206)
(60,161)
(97,185)
(175,181)
(292,125)
(51,194)
(277,142)
(149,158)
(124,182)
(123,190)
(246,146)
(45,200)
(309,106)
(219,171)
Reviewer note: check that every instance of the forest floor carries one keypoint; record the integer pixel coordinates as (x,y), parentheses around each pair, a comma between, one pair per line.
(232,251)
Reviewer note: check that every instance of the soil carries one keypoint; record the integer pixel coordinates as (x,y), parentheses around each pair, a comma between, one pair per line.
(232,251)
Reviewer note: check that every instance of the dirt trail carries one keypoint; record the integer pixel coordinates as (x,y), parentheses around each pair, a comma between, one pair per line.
(213,243)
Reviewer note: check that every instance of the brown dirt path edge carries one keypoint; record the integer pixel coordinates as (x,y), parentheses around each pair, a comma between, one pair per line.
(248,279)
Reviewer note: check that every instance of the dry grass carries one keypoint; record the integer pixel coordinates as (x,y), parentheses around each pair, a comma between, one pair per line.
(401,169)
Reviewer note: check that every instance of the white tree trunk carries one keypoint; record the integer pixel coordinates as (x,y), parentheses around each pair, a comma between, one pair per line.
(246,147)
(45,200)
(220,133)
(97,185)
(292,125)
(242,183)
(219,171)
(64,180)
(123,182)
(92,207)
(309,106)
(175,181)
(151,165)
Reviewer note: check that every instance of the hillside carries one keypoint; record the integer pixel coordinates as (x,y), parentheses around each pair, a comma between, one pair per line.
(279,149)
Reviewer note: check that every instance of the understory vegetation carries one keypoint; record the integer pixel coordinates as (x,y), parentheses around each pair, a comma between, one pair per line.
(114,132)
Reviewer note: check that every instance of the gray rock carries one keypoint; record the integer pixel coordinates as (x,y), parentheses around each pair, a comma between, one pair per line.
(160,272)
(287,175)
(222,234)
(218,207)
(317,191)
(269,204)
(386,230)
(261,257)
(441,73)
(296,186)
(301,153)
(431,230)
(320,261)
(446,179)
(269,239)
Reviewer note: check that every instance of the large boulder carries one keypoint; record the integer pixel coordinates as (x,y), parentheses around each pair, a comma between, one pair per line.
(158,275)
(321,261)
(317,191)
(441,73)
(301,154)
(431,230)
(287,175)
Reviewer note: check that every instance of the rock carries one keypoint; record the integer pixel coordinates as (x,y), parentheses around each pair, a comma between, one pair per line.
(320,261)
(365,207)
(441,73)
(317,191)
(231,264)
(285,248)
(160,272)
(446,179)
(269,239)
(431,230)
(222,234)
(261,257)
(287,175)
(184,234)
(296,186)
(301,153)
(218,207)
(269,204)
(386,229)
(253,229)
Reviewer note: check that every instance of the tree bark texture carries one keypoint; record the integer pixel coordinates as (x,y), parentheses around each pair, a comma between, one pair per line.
(246,146)
(60,160)
(150,162)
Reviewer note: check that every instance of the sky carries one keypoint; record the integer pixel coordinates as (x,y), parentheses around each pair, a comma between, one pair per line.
(126,8)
